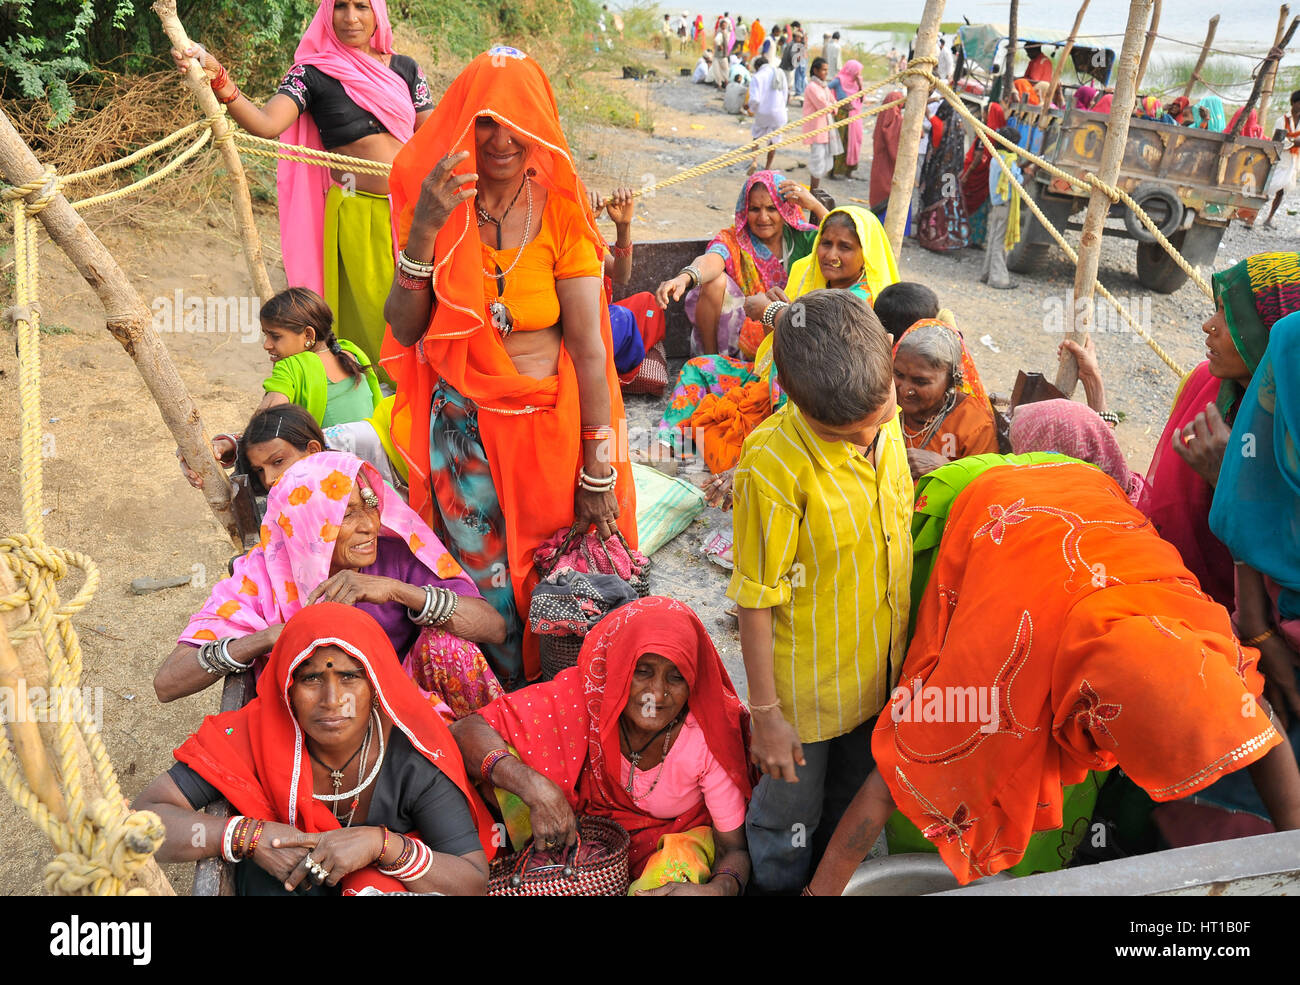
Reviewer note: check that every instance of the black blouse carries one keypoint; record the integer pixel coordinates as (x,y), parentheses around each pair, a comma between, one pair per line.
(339,119)
(411,794)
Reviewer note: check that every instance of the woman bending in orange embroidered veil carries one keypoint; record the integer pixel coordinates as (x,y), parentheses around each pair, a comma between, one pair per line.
(1105,654)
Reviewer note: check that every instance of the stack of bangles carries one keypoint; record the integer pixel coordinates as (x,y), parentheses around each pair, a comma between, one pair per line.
(239,838)
(439,606)
(219,82)
(621,251)
(693,272)
(413,863)
(597,432)
(589,483)
(490,763)
(771,311)
(214,657)
(414,275)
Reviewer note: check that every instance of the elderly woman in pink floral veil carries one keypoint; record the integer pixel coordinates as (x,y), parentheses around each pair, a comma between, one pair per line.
(334,532)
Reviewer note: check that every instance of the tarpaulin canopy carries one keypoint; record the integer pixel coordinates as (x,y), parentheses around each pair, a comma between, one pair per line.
(981,42)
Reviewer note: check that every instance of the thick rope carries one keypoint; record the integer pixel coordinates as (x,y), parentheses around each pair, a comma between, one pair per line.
(102,845)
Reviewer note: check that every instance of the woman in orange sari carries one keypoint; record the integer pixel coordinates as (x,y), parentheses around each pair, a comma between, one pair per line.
(1105,654)
(507,396)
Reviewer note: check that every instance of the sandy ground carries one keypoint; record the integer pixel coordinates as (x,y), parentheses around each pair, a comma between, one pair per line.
(113,490)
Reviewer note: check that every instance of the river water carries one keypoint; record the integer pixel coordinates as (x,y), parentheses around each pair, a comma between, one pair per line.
(1246,28)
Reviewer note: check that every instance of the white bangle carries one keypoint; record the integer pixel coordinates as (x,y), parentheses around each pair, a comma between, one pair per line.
(227,851)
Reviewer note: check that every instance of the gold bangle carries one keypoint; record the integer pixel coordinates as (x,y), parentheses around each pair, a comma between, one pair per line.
(1257,640)
(771,707)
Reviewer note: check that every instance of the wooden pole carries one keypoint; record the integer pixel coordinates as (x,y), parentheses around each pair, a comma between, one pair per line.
(1112,153)
(1060,64)
(1266,97)
(34,670)
(1200,62)
(1269,62)
(198,84)
(129,321)
(1148,44)
(25,736)
(909,140)
(1009,72)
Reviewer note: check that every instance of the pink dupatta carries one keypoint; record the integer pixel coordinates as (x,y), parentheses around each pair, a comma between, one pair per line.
(850,77)
(303,513)
(302,187)
(1177,500)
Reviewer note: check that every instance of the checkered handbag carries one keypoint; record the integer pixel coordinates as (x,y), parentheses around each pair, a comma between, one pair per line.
(596,865)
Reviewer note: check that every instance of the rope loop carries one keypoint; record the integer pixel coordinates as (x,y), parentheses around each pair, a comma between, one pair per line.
(121,843)
(44,188)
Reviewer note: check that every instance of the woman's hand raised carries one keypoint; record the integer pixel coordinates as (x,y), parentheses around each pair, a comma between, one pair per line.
(440,194)
(621,206)
(196,52)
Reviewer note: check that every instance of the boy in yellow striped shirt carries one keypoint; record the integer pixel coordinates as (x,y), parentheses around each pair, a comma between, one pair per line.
(823,560)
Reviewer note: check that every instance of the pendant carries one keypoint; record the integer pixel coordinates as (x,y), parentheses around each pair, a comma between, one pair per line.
(337,777)
(501,318)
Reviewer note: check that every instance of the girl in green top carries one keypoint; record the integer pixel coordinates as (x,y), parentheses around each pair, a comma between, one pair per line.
(331,379)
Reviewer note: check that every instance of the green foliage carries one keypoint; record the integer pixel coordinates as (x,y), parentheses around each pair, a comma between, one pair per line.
(468,27)
(51,43)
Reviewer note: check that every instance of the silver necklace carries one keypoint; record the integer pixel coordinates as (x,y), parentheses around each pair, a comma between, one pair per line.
(333,798)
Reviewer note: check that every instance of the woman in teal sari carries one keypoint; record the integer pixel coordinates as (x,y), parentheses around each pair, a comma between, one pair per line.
(1208,114)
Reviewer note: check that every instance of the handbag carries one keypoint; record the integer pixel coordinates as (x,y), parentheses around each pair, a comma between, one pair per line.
(595,865)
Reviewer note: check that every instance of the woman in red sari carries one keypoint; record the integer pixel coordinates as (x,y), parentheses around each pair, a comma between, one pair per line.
(975,178)
(1250,297)
(397,815)
(646,730)
(508,400)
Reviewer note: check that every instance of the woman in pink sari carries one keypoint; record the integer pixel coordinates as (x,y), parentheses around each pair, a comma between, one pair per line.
(350,94)
(845,84)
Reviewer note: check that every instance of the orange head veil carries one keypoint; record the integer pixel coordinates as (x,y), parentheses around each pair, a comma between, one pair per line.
(529,426)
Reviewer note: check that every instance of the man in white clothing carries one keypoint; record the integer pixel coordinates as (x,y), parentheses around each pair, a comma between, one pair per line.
(831,52)
(945,66)
(767,98)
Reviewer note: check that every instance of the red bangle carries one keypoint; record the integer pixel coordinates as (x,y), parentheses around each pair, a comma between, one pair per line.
(413,283)
(490,761)
(231,98)
(621,251)
(220,80)
(599,432)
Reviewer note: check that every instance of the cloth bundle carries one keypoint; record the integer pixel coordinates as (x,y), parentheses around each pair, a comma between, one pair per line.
(721,424)
(583,580)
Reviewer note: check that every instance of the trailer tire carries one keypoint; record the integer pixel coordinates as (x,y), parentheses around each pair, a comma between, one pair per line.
(1156,269)
(1160,203)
